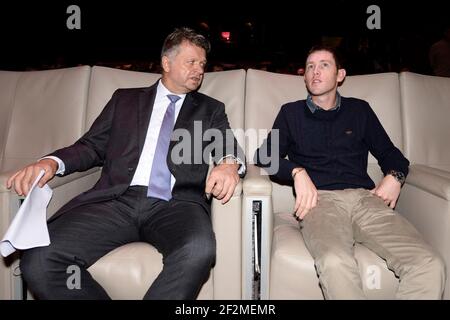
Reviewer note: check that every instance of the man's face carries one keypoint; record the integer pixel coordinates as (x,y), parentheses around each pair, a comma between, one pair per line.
(184,69)
(321,73)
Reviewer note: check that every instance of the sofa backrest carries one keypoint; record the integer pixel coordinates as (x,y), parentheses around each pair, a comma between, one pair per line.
(228,87)
(266,92)
(30,102)
(426,114)
(8,84)
(382,92)
(104,81)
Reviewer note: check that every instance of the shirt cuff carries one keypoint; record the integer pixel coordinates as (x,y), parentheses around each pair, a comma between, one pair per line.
(61,166)
(242,167)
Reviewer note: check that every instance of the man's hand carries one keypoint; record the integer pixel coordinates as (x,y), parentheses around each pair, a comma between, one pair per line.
(222,181)
(307,194)
(23,179)
(388,190)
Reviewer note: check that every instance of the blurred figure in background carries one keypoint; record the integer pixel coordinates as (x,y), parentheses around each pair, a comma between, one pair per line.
(439,55)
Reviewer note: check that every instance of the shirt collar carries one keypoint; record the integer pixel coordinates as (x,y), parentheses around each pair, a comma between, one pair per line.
(314,107)
(162,92)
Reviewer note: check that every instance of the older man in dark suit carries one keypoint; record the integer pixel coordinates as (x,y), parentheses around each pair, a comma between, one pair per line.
(144,193)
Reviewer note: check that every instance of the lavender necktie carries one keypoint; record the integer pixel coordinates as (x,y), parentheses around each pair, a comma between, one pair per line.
(159,184)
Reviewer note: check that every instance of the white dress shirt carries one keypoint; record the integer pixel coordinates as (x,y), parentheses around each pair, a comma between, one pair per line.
(142,175)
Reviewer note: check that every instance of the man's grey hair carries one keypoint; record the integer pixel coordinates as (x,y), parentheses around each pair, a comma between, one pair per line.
(178,36)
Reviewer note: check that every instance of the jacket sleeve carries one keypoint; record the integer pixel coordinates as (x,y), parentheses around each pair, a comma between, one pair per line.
(271,155)
(380,145)
(89,151)
(228,144)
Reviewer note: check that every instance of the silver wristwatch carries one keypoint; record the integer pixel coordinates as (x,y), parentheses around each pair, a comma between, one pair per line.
(398,175)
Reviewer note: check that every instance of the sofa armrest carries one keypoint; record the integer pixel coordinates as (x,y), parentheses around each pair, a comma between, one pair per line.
(257,182)
(64,188)
(257,228)
(425,202)
(227,220)
(432,180)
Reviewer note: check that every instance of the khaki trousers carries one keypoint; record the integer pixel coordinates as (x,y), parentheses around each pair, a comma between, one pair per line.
(344,217)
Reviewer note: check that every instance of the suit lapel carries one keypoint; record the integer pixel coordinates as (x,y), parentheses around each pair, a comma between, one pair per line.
(185,119)
(146,101)
(187,110)
(186,115)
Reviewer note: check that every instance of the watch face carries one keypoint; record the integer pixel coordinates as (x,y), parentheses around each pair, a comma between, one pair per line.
(399,176)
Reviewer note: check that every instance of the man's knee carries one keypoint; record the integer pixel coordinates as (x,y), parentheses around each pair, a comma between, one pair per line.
(204,250)
(31,263)
(198,252)
(436,266)
(334,260)
(40,263)
(34,268)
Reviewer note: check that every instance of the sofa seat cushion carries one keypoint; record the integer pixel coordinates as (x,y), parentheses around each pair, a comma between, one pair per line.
(293,275)
(127,272)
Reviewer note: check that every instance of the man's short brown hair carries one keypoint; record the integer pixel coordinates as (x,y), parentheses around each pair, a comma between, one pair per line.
(334,52)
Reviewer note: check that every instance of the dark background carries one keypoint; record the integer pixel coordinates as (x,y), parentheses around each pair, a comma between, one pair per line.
(274,36)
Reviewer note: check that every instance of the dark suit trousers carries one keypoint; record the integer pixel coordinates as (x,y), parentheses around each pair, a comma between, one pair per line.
(180,230)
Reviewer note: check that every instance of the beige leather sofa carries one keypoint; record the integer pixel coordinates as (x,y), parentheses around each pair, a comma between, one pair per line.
(413,108)
(44,110)
(415,111)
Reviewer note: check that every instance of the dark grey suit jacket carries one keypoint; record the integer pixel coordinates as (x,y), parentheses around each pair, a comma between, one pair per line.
(116,139)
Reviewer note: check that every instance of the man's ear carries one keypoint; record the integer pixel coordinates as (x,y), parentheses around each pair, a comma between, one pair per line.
(165,63)
(341,75)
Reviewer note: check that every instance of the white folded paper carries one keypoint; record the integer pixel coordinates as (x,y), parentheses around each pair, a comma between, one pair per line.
(29,227)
